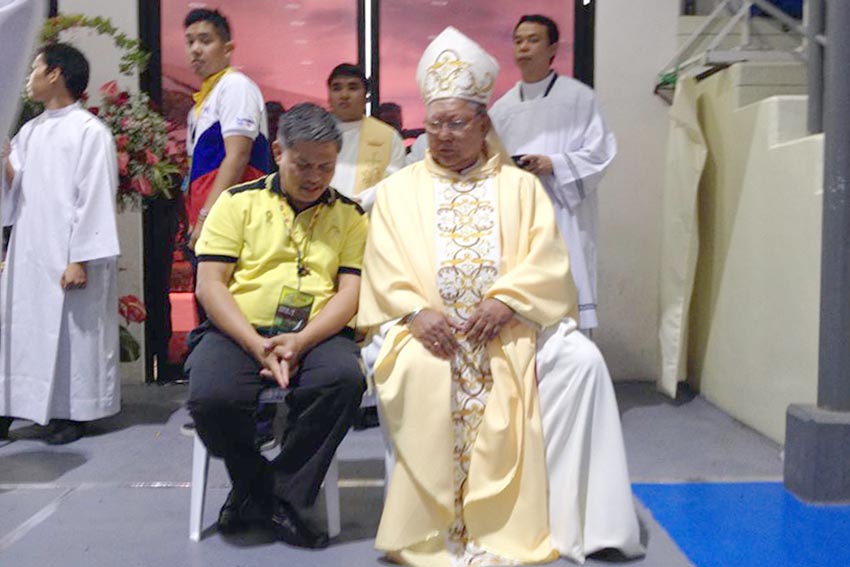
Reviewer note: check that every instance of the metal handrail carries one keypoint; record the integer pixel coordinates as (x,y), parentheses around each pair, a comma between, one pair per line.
(742,12)
(792,23)
(676,61)
(812,31)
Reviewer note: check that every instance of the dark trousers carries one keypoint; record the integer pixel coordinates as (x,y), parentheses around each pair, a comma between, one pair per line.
(161,222)
(224,384)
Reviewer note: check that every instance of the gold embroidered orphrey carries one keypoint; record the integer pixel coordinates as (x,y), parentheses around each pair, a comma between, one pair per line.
(468,264)
(449,76)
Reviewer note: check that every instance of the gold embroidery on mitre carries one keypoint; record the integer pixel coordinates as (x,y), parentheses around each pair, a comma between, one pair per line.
(449,76)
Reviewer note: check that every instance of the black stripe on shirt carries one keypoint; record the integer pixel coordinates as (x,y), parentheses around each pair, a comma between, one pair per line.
(216,258)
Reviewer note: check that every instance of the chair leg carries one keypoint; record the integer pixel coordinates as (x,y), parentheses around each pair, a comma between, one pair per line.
(200,467)
(331,485)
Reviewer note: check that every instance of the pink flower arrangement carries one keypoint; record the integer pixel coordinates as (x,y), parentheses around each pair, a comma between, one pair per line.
(131,309)
(148,158)
(109,91)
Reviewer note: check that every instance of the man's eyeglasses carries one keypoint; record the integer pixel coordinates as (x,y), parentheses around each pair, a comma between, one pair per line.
(455,126)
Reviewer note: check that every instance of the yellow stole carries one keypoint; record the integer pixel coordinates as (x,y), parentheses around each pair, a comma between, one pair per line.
(373,153)
(206,88)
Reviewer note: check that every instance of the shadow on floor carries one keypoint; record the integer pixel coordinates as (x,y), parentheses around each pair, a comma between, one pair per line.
(146,404)
(40,466)
(643,394)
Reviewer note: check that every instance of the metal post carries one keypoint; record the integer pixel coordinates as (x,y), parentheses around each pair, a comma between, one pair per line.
(814,64)
(817,438)
(834,360)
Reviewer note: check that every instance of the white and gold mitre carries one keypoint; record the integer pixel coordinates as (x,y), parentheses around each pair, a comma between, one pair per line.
(454,66)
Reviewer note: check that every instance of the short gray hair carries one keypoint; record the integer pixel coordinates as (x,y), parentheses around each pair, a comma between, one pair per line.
(307,122)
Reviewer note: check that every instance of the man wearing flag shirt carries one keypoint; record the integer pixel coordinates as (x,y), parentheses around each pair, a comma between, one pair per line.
(227,140)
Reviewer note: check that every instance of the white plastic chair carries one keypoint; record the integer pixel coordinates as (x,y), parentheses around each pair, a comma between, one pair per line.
(200,468)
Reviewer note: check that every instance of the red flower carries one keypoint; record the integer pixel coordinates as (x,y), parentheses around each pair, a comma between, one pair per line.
(171,148)
(122,99)
(121,141)
(94,110)
(123,162)
(109,90)
(142,186)
(131,309)
(151,158)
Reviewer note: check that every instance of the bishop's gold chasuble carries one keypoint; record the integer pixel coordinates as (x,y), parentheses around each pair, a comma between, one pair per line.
(469,483)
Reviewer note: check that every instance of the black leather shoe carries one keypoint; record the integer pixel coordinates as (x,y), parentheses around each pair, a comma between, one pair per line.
(290,528)
(239,512)
(64,431)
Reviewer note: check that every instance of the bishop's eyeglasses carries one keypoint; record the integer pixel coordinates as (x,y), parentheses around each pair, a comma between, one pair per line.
(455,126)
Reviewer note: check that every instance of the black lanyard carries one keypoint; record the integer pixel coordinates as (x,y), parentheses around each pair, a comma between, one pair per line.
(546,93)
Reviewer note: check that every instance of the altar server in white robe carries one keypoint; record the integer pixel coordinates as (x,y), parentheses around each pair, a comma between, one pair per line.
(371,149)
(553,127)
(58,291)
(448,236)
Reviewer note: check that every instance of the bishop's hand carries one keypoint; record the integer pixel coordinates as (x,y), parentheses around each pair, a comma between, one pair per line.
(436,332)
(487,321)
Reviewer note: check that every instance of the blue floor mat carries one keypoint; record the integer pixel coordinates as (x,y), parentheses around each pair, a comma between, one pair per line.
(749,524)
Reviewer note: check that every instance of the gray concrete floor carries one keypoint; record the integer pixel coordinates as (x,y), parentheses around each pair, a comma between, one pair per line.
(121,494)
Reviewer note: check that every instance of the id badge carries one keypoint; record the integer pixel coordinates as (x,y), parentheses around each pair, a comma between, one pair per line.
(293,310)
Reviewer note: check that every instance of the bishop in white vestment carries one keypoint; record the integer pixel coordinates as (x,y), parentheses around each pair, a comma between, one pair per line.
(547,117)
(59,331)
(505,432)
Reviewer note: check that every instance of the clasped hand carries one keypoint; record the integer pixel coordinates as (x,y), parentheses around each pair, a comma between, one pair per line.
(280,356)
(436,331)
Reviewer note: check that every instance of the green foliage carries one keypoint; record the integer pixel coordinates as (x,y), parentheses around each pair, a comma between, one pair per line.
(130,348)
(135,57)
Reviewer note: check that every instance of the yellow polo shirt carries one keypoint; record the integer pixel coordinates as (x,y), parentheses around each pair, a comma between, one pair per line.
(250,226)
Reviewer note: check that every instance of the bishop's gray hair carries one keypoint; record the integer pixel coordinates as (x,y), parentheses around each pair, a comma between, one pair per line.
(307,122)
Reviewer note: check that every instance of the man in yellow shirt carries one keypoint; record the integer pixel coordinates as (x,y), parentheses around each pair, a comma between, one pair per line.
(279,276)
